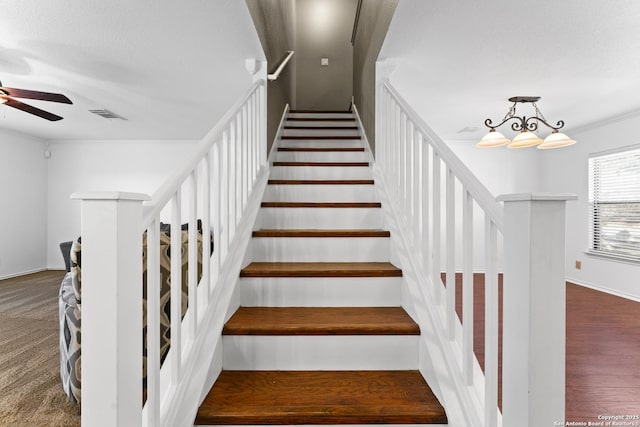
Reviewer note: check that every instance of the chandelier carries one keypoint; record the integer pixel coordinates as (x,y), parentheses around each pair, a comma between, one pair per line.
(526,126)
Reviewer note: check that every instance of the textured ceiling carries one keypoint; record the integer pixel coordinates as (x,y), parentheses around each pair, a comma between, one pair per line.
(465,58)
(152,62)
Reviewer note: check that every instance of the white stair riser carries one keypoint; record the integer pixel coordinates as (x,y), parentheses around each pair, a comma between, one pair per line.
(345,115)
(321,156)
(316,172)
(320,291)
(320,193)
(377,352)
(323,132)
(320,249)
(321,143)
(322,218)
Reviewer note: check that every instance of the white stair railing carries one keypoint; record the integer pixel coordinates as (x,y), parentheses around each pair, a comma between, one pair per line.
(439,204)
(213,186)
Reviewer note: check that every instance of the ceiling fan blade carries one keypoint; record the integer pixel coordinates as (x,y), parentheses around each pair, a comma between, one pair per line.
(31,110)
(33,94)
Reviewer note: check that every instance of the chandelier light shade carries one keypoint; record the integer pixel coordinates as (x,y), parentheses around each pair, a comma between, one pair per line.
(526,126)
(525,139)
(493,139)
(556,140)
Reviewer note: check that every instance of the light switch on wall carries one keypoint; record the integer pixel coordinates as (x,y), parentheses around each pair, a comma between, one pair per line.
(324,62)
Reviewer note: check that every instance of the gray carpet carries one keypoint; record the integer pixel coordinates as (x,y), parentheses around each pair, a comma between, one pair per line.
(30,389)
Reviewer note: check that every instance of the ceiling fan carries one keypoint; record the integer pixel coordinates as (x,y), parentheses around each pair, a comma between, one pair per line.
(7,95)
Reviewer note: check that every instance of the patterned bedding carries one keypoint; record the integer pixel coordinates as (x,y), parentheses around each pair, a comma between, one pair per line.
(70,303)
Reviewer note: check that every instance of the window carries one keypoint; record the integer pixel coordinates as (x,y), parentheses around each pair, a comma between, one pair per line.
(614,197)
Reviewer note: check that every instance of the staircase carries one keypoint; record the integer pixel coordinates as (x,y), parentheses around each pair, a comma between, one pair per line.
(320,336)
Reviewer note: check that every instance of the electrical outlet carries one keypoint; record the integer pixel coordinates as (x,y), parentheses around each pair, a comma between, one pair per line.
(578,264)
(324,62)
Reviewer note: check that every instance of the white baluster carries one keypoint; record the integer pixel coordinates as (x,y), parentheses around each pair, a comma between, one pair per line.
(238,163)
(225,184)
(244,143)
(217,209)
(416,180)
(207,161)
(435,234)
(176,287)
(491,325)
(451,254)
(426,206)
(192,270)
(231,164)
(467,288)
(153,323)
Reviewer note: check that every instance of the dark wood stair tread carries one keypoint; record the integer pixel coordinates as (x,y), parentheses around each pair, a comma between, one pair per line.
(312,137)
(320,233)
(320,397)
(322,127)
(323,164)
(320,182)
(294,111)
(321,205)
(321,149)
(321,269)
(321,119)
(321,321)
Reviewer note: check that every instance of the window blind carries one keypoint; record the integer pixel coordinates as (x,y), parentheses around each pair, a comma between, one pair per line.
(614,198)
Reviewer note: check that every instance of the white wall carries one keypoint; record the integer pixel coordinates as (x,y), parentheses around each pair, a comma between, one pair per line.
(136,166)
(23,204)
(565,170)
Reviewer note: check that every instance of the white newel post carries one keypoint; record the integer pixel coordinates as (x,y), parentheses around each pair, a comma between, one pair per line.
(534,309)
(111,308)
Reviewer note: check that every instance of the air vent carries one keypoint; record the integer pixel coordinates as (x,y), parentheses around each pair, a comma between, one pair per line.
(107,114)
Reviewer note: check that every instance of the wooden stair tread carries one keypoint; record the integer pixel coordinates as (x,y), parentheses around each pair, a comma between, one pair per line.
(320,397)
(312,137)
(321,205)
(320,182)
(321,269)
(323,164)
(321,321)
(321,119)
(321,149)
(320,233)
(294,111)
(322,127)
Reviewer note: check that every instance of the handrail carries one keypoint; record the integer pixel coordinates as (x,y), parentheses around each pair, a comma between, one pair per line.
(480,193)
(162,196)
(284,62)
(355,22)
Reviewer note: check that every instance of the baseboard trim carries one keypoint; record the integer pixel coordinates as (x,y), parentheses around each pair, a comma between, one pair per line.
(24,273)
(604,289)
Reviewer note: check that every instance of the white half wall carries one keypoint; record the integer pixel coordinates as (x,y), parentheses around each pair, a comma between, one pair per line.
(23,204)
(135,166)
(566,170)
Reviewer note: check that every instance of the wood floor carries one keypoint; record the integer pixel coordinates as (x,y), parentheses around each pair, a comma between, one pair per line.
(603,349)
